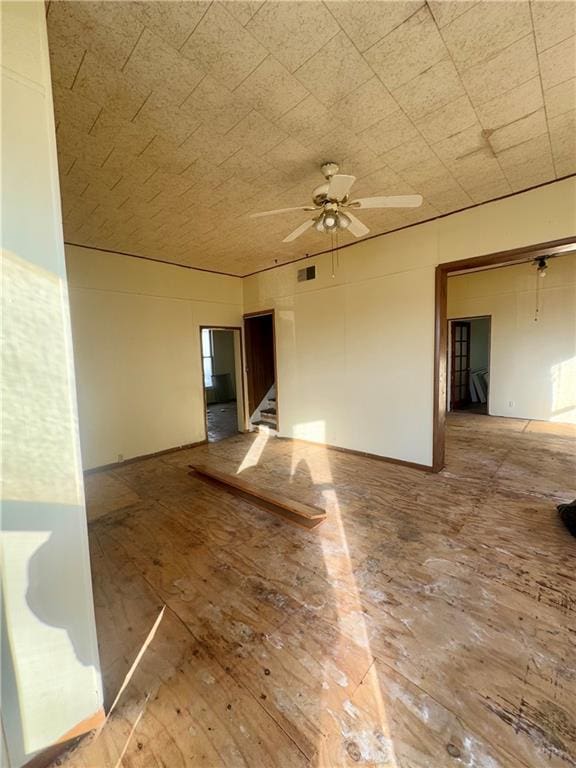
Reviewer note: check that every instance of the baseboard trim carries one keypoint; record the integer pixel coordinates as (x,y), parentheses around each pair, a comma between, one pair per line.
(363,454)
(118,464)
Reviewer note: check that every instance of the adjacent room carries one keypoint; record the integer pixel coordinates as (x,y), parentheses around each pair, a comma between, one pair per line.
(288,383)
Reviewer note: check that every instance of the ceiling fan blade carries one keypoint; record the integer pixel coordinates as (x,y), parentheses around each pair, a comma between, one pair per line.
(297,232)
(281,210)
(356,227)
(339,186)
(398,201)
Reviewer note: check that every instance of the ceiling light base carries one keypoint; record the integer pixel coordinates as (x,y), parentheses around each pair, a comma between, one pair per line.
(329,169)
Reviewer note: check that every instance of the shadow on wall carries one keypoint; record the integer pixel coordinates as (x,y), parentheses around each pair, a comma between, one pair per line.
(47,624)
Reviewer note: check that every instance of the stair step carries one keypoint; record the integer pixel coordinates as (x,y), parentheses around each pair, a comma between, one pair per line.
(269,411)
(269,424)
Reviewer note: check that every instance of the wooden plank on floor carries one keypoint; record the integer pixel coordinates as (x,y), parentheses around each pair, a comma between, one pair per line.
(289,509)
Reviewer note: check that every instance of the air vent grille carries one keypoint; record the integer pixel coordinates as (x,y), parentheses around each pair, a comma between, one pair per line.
(307,273)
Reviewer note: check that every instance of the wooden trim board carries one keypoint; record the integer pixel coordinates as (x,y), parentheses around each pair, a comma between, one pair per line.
(363,454)
(118,464)
(291,510)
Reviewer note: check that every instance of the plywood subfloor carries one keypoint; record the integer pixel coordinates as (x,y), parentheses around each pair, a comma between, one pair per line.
(429,622)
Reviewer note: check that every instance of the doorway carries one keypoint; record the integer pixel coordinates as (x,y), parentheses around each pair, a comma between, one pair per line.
(222,382)
(261,379)
(469,363)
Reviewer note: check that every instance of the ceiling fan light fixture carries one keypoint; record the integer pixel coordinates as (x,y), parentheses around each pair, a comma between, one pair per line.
(343,221)
(542,266)
(319,224)
(330,221)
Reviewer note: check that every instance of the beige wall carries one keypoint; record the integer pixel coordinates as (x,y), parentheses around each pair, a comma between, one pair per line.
(355,352)
(533,364)
(50,669)
(137,350)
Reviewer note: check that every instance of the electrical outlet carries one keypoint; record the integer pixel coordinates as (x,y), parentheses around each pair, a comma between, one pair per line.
(510,403)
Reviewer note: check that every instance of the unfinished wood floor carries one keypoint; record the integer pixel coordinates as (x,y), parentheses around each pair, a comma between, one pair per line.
(429,622)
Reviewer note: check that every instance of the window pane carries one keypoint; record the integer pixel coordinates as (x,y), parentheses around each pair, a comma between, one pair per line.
(207,371)
(206,342)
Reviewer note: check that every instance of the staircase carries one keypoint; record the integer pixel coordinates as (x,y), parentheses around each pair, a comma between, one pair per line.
(265,414)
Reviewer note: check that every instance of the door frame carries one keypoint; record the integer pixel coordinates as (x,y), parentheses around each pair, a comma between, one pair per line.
(236,364)
(449,356)
(499,259)
(245,317)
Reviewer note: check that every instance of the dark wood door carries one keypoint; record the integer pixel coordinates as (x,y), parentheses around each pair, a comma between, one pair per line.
(259,339)
(460,376)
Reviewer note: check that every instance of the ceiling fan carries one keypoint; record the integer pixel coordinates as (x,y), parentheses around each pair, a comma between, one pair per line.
(331,201)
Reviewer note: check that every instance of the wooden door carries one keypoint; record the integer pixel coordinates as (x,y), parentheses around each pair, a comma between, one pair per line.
(460,371)
(260,368)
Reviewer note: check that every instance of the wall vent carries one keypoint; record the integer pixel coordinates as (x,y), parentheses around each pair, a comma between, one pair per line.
(308,273)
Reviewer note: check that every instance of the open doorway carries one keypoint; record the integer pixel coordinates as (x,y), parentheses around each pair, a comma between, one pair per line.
(261,377)
(469,364)
(222,378)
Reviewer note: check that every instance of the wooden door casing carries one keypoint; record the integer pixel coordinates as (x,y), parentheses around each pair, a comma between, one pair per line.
(260,366)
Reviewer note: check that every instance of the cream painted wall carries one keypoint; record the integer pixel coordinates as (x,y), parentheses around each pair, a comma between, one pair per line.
(533,364)
(50,670)
(355,351)
(137,350)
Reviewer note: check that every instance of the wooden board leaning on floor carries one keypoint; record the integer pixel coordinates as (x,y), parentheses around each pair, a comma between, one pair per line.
(291,510)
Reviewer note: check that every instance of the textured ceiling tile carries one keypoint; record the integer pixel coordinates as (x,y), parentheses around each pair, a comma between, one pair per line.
(100,22)
(90,172)
(155,64)
(255,133)
(407,51)
(450,200)
(221,46)
(174,21)
(531,159)
(429,177)
(123,135)
(82,145)
(448,120)
(247,166)
(242,10)
(365,106)
(368,22)
(415,151)
(271,89)
(290,157)
(390,132)
(430,91)
(560,98)
(519,131)
(554,21)
(461,144)
(138,169)
(486,29)
(384,181)
(512,105)
(165,119)
(558,63)
(107,87)
(169,156)
(293,31)
(65,59)
(214,105)
(307,121)
(74,110)
(445,11)
(335,71)
(476,169)
(509,69)
(563,140)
